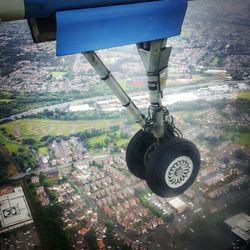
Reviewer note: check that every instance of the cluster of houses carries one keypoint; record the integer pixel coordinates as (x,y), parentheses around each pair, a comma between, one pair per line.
(108,184)
(76,215)
(226,188)
(64,152)
(41,194)
(221,177)
(112,192)
(67,151)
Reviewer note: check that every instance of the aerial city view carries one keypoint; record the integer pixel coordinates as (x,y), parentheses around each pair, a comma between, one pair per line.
(64,181)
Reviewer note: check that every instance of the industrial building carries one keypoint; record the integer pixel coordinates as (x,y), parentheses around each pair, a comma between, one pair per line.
(178,204)
(14,210)
(240,225)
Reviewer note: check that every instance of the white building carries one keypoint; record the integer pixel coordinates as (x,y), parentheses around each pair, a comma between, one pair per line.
(80,107)
(14,210)
(178,204)
(240,225)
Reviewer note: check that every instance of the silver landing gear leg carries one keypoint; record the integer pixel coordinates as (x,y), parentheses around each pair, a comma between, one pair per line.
(155,57)
(109,79)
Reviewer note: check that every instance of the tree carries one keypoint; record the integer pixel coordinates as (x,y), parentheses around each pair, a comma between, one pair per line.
(240,154)
(29,141)
(124,135)
(42,177)
(225,160)
(114,128)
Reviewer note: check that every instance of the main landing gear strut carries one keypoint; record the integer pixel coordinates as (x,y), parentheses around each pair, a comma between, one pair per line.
(157,153)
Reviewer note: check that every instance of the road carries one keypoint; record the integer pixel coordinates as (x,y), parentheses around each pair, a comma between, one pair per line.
(51,108)
(36,172)
(174,90)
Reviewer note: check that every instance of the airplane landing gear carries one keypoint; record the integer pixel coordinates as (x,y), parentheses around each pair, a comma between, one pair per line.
(173,167)
(156,153)
(136,153)
(169,168)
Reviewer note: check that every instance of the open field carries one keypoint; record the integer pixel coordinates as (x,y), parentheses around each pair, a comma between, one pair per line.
(244,95)
(10,145)
(122,142)
(37,128)
(42,151)
(97,139)
(240,138)
(56,74)
(6,100)
(101,139)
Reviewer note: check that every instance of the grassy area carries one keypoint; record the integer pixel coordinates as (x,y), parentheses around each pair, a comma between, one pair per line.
(11,146)
(97,139)
(101,139)
(244,95)
(240,138)
(50,181)
(43,151)
(37,128)
(6,100)
(56,74)
(215,60)
(122,142)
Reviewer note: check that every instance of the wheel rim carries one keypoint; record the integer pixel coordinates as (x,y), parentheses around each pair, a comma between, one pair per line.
(179,171)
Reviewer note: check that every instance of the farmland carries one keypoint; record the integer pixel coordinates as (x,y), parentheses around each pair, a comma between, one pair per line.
(38,128)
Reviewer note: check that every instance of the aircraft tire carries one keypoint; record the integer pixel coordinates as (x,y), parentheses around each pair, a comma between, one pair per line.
(136,150)
(172,167)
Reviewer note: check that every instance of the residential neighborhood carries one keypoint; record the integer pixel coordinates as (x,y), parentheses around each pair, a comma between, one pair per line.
(64,179)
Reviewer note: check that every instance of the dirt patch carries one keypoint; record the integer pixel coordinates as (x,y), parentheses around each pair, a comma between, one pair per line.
(16,132)
(12,170)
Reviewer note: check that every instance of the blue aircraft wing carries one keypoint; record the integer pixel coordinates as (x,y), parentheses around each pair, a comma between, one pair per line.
(90,29)
(46,8)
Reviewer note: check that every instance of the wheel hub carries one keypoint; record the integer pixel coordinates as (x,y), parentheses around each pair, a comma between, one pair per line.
(179,171)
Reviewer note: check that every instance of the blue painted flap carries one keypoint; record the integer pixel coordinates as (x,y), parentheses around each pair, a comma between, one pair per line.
(106,27)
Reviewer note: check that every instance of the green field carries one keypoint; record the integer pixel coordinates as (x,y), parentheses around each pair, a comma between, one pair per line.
(215,60)
(37,128)
(6,100)
(42,151)
(240,138)
(56,74)
(122,142)
(97,139)
(244,95)
(10,145)
(101,139)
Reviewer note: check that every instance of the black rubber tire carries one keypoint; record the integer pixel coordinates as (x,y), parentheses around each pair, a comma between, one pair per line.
(160,161)
(137,147)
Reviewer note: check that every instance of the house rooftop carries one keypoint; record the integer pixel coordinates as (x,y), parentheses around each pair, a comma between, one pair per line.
(240,225)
